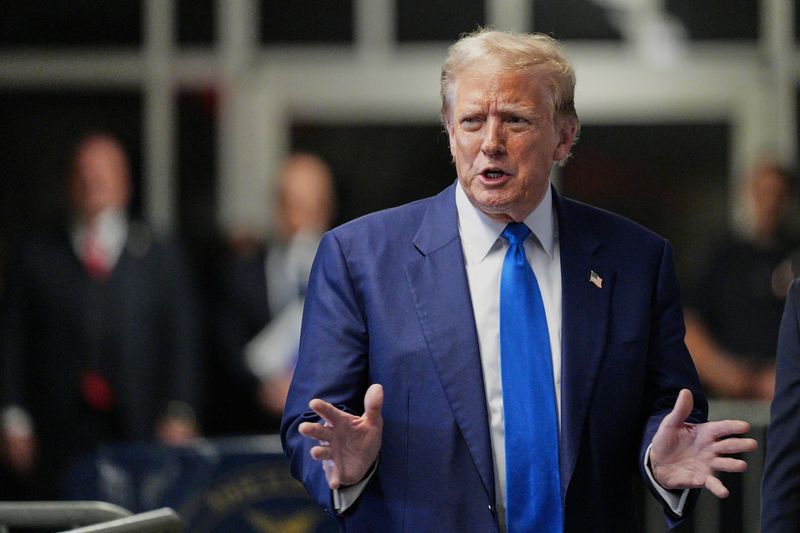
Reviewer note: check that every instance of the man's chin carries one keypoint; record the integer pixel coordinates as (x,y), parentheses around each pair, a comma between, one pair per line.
(496,210)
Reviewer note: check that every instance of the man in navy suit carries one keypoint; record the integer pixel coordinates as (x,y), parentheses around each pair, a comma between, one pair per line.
(396,418)
(780,489)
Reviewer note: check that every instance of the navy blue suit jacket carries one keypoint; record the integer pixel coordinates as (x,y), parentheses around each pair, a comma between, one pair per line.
(389,303)
(780,491)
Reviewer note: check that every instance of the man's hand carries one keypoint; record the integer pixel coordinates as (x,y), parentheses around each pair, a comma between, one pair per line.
(348,445)
(685,455)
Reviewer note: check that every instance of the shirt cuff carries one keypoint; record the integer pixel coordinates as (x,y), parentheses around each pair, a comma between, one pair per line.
(676,502)
(345,497)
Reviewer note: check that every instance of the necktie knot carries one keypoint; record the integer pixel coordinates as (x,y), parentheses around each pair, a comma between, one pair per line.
(516,233)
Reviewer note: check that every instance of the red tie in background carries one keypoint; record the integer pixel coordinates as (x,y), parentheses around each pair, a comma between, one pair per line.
(95,387)
(97,391)
(95,259)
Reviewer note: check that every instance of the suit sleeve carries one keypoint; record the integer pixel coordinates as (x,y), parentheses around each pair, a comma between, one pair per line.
(669,369)
(332,363)
(780,491)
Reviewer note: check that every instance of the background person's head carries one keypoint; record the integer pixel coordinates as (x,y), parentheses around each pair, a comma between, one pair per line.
(100,177)
(306,200)
(768,195)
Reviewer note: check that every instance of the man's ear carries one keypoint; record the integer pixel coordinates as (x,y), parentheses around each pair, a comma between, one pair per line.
(567,130)
(448,126)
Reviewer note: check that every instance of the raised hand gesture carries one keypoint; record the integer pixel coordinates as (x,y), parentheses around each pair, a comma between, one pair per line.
(348,444)
(686,455)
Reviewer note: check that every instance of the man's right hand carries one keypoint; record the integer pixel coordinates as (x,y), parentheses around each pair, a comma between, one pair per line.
(348,445)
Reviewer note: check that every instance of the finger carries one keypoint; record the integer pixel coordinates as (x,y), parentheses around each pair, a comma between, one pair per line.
(682,409)
(373,402)
(728,464)
(329,412)
(315,430)
(723,428)
(734,445)
(716,487)
(331,474)
(321,453)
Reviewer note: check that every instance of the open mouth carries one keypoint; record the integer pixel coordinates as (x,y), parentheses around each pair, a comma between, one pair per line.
(494,175)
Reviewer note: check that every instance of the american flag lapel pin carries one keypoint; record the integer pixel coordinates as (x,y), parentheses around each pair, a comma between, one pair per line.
(595,280)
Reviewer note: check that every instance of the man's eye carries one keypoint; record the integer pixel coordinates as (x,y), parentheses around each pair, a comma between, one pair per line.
(516,120)
(471,123)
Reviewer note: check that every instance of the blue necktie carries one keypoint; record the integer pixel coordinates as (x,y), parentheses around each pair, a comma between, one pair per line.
(533,486)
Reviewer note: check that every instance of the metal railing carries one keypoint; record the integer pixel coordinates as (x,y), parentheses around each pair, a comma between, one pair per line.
(86,517)
(57,514)
(159,521)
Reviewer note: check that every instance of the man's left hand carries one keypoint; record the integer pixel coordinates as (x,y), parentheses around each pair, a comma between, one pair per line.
(686,455)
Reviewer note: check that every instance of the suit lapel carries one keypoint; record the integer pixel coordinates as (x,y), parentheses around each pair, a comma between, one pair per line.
(440,290)
(584,326)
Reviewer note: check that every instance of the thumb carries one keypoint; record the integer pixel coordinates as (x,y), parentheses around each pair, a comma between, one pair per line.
(682,409)
(373,402)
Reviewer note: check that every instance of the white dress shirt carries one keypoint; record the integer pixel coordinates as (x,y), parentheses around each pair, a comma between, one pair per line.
(484,253)
(111,232)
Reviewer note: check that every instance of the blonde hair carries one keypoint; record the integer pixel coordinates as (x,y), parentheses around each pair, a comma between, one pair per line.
(499,51)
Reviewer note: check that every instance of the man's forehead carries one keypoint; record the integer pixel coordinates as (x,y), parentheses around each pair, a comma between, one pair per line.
(520,88)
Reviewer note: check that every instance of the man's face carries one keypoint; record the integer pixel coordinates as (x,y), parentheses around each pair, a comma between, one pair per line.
(100,178)
(504,140)
(769,202)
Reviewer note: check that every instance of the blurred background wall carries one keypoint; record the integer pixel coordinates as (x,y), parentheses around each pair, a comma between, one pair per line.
(678,99)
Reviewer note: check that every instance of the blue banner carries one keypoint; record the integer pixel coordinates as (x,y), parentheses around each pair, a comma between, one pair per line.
(236,485)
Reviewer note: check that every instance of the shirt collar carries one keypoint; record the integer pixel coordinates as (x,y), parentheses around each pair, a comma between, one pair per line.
(479,232)
(111,227)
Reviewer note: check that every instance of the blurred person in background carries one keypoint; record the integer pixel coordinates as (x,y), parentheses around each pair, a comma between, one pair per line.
(264,288)
(734,313)
(98,337)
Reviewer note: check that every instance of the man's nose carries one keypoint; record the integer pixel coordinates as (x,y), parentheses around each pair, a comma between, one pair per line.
(494,138)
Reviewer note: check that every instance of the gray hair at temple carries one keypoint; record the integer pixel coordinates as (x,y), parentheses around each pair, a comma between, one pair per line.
(488,50)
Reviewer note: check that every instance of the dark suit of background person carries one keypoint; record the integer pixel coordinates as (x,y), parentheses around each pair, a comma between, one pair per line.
(263,283)
(780,490)
(91,357)
(389,303)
